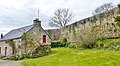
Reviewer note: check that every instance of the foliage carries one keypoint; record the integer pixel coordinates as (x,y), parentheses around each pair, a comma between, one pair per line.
(55,44)
(31,47)
(72,46)
(86,38)
(74,57)
(118,23)
(61,17)
(117,19)
(118,8)
(94,19)
(42,50)
(29,42)
(109,43)
(63,42)
(15,57)
(59,43)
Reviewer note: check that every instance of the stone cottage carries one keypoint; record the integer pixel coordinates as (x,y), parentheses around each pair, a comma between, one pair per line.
(35,31)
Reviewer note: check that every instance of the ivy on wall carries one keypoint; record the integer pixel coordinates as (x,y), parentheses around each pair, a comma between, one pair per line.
(117,19)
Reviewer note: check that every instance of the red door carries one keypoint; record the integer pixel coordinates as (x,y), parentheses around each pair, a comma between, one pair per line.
(44,38)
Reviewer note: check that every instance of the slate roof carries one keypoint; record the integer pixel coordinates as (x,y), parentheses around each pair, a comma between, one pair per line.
(16,33)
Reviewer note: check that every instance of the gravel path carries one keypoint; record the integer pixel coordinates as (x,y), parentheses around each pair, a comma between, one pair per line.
(9,63)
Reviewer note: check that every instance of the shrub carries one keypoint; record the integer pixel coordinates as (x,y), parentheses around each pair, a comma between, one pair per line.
(59,43)
(72,46)
(55,44)
(19,57)
(87,37)
(15,57)
(42,50)
(109,43)
(63,42)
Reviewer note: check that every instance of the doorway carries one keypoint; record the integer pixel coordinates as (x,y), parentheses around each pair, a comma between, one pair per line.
(5,51)
(44,38)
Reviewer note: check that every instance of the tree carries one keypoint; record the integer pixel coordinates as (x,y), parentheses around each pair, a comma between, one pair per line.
(61,17)
(29,42)
(103,8)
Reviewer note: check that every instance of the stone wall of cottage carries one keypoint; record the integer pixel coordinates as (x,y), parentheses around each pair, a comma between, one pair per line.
(2,50)
(48,38)
(36,33)
(18,46)
(103,22)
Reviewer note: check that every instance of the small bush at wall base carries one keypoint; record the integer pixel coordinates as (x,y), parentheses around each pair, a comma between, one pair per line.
(109,43)
(87,37)
(59,43)
(55,44)
(72,45)
(63,42)
(15,57)
(40,51)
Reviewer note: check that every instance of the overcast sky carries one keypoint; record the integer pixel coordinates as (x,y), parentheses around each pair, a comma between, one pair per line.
(19,13)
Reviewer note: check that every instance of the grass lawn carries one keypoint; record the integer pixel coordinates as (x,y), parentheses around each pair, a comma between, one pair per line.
(73,57)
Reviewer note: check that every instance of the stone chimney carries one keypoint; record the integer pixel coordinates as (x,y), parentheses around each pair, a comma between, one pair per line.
(37,22)
(1,35)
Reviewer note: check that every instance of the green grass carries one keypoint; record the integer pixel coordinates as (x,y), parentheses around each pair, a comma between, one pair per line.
(73,57)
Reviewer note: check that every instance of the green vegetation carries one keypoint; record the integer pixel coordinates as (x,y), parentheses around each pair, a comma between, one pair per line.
(109,43)
(74,57)
(29,43)
(59,43)
(31,50)
(95,51)
(86,38)
(72,46)
(119,8)
(40,51)
(117,19)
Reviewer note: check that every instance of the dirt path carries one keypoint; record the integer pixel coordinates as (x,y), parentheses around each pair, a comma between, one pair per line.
(9,63)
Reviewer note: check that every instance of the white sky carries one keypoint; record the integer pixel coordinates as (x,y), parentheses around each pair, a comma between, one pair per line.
(19,13)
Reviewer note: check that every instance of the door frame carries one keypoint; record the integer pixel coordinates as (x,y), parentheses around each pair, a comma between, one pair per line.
(44,39)
(5,51)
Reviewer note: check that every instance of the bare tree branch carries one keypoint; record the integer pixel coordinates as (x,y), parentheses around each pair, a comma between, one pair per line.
(103,8)
(61,17)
